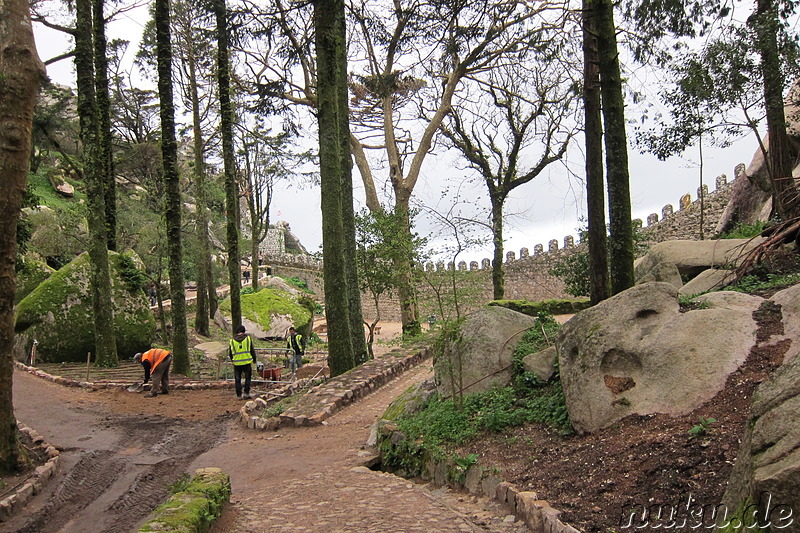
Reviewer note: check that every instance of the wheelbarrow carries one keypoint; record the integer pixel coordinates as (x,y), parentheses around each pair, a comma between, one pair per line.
(272,374)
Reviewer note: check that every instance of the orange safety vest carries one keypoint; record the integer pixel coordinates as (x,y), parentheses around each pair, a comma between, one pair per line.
(155,356)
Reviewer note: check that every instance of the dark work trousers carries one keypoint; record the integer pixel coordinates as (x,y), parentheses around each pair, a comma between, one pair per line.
(160,376)
(247,370)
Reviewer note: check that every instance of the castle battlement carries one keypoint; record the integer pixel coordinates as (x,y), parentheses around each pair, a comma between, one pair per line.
(680,224)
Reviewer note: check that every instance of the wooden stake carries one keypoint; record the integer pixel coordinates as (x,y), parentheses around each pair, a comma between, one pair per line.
(88,361)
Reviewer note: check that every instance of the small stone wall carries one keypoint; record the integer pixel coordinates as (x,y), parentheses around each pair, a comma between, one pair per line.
(90,385)
(329,397)
(34,484)
(526,506)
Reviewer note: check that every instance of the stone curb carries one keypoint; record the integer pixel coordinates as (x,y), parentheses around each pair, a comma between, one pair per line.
(90,385)
(330,397)
(526,506)
(35,483)
(194,509)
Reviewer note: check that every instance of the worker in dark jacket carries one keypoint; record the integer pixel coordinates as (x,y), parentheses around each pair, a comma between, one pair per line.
(296,342)
(242,354)
(156,363)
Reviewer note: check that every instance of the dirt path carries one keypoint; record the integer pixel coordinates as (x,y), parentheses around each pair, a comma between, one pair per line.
(121,452)
(116,464)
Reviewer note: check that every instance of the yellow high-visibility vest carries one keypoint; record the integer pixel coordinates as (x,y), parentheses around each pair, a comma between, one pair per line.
(241,351)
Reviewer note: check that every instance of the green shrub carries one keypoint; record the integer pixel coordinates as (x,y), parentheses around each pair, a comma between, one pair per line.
(298,283)
(573,270)
(744,231)
(754,283)
(134,279)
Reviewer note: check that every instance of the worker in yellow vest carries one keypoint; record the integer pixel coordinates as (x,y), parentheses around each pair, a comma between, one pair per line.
(296,342)
(243,354)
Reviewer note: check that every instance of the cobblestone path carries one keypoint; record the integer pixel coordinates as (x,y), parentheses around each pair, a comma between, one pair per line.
(312,480)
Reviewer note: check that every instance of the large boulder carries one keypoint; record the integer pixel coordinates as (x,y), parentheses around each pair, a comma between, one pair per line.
(693,257)
(279,284)
(767,469)
(666,272)
(269,313)
(58,314)
(638,353)
(479,356)
(707,280)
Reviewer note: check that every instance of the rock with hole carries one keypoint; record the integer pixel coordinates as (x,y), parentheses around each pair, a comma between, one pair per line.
(637,353)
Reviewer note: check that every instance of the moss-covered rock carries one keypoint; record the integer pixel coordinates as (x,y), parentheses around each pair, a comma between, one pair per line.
(58,314)
(195,507)
(31,275)
(268,304)
(554,306)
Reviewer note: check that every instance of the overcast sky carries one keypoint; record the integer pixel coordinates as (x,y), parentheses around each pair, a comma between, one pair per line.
(547,208)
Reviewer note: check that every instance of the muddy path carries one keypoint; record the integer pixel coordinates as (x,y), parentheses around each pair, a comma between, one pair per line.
(120,453)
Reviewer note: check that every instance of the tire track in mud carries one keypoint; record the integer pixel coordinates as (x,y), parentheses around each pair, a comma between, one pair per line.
(134,482)
(83,484)
(181,442)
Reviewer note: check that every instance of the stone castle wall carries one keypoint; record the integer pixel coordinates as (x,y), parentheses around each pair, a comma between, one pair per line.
(527,276)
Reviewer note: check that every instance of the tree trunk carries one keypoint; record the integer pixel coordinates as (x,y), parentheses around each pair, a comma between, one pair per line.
(778,158)
(498,276)
(93,169)
(346,343)
(599,288)
(169,155)
(105,151)
(619,197)
(405,287)
(203,257)
(21,74)
(231,189)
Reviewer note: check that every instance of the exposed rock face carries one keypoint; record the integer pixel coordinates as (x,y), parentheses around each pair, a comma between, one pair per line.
(637,353)
(693,257)
(748,203)
(707,280)
(61,186)
(664,271)
(789,300)
(768,464)
(279,284)
(542,363)
(58,314)
(482,357)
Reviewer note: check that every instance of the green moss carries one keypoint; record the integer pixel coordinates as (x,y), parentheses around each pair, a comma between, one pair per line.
(262,305)
(195,507)
(41,187)
(29,277)
(62,303)
(403,404)
(554,306)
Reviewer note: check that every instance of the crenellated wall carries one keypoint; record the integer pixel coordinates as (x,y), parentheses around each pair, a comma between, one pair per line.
(527,276)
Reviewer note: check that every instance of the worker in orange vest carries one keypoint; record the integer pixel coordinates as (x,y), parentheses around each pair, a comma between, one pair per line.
(156,363)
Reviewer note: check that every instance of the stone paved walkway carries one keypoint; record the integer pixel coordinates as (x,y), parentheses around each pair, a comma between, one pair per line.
(312,479)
